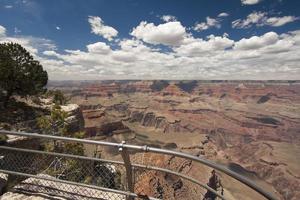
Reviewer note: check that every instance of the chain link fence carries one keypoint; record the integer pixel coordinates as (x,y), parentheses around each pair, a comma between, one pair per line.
(90,172)
(107,171)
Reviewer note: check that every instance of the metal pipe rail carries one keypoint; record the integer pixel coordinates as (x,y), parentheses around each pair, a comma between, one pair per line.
(114,162)
(137,148)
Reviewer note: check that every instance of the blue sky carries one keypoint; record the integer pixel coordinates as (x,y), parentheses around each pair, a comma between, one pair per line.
(157,39)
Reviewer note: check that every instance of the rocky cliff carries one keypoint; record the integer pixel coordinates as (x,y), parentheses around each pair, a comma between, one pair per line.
(252,125)
(74,120)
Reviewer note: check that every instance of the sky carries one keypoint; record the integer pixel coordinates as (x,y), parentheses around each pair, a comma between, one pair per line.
(158,39)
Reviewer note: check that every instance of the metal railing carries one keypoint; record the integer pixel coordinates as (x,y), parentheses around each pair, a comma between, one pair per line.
(123,177)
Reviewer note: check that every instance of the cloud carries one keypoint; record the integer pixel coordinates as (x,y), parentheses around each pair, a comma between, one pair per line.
(134,45)
(17,31)
(98,28)
(252,19)
(169,33)
(250,2)
(257,42)
(51,53)
(262,19)
(2,31)
(99,47)
(57,28)
(168,18)
(32,44)
(266,56)
(223,14)
(8,6)
(124,56)
(210,22)
(280,21)
(198,47)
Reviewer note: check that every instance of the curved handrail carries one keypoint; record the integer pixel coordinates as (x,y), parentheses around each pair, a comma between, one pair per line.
(204,161)
(116,162)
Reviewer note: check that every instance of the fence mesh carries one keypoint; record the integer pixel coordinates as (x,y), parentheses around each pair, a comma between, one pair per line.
(69,169)
(146,182)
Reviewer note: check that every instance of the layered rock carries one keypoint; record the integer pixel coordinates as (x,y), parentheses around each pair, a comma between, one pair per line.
(107,129)
(173,90)
(74,120)
(232,114)
(150,119)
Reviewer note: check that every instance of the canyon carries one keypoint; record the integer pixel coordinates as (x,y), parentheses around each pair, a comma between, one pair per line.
(252,127)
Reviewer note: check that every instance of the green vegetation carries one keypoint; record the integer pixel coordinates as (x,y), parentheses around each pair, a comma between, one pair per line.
(58,97)
(20,74)
(3,139)
(90,172)
(55,124)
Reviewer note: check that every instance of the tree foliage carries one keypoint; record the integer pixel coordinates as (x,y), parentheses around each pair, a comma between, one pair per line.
(59,98)
(3,139)
(77,170)
(20,74)
(55,124)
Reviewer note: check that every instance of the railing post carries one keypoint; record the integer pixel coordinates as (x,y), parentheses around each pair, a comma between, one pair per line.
(128,168)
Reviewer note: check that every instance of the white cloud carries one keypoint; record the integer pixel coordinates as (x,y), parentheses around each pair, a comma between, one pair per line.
(32,44)
(280,21)
(99,47)
(169,33)
(252,19)
(124,56)
(168,18)
(8,6)
(262,19)
(250,2)
(2,31)
(210,22)
(51,53)
(269,56)
(17,31)
(57,28)
(257,42)
(98,28)
(198,47)
(134,46)
(223,14)
(266,56)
